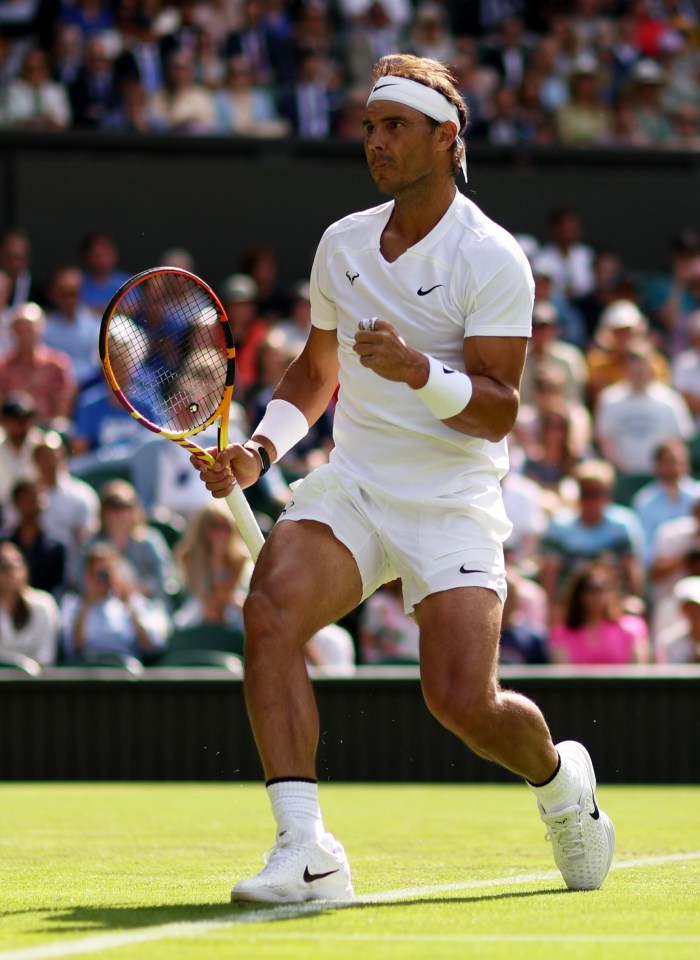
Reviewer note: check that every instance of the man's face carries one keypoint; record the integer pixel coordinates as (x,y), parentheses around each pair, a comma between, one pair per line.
(594,498)
(401,146)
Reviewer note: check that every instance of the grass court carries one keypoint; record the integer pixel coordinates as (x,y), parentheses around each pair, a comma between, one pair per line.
(144,871)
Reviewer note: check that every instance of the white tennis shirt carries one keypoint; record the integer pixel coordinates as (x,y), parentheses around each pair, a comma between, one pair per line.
(468,277)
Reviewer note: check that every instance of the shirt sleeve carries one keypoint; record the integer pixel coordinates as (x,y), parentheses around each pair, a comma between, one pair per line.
(323,310)
(502,304)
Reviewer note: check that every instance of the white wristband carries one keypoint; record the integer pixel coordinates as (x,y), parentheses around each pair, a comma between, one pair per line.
(284,425)
(447,391)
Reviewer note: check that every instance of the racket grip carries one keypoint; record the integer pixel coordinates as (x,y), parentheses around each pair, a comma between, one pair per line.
(245,521)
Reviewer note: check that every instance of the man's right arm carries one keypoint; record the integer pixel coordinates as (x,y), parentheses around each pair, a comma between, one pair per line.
(308,385)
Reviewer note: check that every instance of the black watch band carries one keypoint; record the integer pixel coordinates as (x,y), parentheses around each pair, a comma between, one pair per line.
(262,453)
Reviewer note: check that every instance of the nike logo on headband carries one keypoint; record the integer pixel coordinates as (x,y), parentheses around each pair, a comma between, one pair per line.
(381,87)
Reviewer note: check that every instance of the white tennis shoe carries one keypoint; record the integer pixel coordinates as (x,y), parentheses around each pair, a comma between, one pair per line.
(297,871)
(582,836)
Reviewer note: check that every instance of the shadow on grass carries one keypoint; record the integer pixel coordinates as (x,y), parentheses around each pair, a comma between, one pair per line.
(99,919)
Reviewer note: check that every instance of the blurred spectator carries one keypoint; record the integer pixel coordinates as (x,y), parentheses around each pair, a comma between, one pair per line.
(66,53)
(546,64)
(144,549)
(140,59)
(621,323)
(430,34)
(526,507)
(477,83)
(297,324)
(182,105)
(29,618)
(16,261)
(262,264)
(667,296)
(680,641)
(506,128)
(268,50)
(44,373)
(309,103)
(595,529)
(386,633)
(131,114)
(72,506)
(186,30)
(594,627)
(94,93)
(676,555)
(34,101)
(545,271)
(19,436)
(685,369)
(520,641)
(551,460)
(71,326)
(373,29)
(46,557)
(89,16)
(102,277)
(583,120)
(348,122)
(607,270)
(572,258)
(243,108)
(102,429)
(549,395)
(685,133)
(506,50)
(671,494)
(239,295)
(545,349)
(637,414)
(215,568)
(646,80)
(110,614)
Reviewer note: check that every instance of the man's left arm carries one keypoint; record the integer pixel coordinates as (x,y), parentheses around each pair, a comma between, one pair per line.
(483,402)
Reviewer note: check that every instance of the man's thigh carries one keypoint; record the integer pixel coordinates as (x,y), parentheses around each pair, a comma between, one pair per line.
(459,635)
(305,578)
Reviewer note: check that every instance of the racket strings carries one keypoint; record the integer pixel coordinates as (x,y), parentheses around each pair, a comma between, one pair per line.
(168,352)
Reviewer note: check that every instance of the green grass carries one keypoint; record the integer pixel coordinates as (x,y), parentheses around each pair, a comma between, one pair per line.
(121,861)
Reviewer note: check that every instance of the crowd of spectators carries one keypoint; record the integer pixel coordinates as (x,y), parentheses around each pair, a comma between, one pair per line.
(598,73)
(110,543)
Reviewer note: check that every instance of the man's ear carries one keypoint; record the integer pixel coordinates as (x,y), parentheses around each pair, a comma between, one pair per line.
(446,135)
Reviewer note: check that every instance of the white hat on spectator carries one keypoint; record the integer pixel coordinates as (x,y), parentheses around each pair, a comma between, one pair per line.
(621,314)
(687,590)
(647,71)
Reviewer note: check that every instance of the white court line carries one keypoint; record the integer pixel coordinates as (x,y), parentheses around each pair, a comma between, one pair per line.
(196,928)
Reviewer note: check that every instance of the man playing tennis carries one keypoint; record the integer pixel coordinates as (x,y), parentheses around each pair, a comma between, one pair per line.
(428,392)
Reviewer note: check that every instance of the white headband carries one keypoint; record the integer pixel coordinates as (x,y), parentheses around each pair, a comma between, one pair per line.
(413,94)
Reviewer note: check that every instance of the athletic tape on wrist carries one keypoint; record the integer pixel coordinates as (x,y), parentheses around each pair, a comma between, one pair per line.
(447,391)
(284,425)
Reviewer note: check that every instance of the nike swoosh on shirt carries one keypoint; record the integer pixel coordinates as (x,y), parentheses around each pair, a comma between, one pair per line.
(422,293)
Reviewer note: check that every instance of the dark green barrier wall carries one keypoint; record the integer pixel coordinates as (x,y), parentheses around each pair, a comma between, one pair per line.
(218,196)
(639,726)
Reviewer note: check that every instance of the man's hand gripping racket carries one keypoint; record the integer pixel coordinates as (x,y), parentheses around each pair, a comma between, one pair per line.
(167,352)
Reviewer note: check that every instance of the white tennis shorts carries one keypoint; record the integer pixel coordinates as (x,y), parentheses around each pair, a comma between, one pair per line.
(431,544)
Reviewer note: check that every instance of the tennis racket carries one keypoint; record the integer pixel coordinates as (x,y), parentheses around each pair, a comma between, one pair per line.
(167,352)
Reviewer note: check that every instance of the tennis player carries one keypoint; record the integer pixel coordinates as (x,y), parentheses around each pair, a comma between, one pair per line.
(421,310)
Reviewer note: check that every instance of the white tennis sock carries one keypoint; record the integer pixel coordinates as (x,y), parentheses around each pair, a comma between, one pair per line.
(563,790)
(295,807)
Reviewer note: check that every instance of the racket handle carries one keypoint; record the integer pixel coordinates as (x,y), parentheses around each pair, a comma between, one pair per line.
(245,521)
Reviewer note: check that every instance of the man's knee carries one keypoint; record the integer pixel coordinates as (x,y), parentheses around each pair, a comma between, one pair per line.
(466,712)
